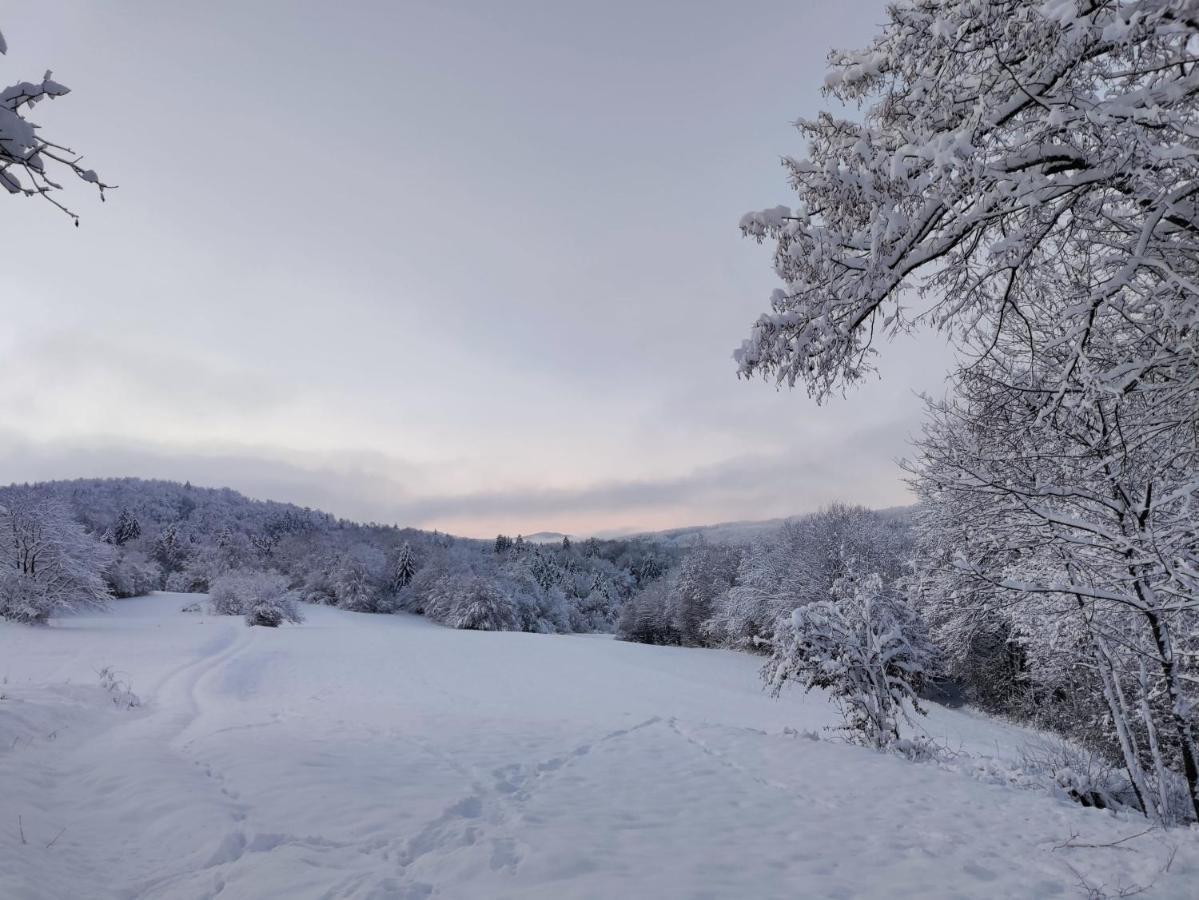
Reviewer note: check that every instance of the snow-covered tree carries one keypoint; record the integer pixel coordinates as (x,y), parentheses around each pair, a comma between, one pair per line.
(132,574)
(170,549)
(49,564)
(1067,528)
(705,577)
(354,584)
(799,564)
(264,598)
(28,160)
(198,535)
(865,645)
(646,616)
(123,530)
(1002,142)
(402,568)
(479,605)
(1031,169)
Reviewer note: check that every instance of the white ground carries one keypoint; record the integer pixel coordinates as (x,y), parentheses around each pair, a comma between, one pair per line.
(376,756)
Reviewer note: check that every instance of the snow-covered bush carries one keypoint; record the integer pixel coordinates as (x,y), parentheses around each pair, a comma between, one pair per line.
(355,584)
(537,596)
(48,563)
(1077,774)
(263,598)
(866,646)
(481,606)
(472,602)
(132,574)
(189,581)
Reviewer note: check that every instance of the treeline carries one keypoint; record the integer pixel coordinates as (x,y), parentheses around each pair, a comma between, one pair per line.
(78,542)
(734,596)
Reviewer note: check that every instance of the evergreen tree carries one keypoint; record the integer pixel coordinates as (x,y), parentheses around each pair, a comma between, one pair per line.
(125,529)
(170,552)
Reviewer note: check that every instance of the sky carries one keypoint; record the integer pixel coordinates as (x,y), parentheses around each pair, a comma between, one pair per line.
(452,264)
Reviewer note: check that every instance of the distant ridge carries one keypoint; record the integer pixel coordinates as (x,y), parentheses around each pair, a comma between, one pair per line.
(547,537)
(742,531)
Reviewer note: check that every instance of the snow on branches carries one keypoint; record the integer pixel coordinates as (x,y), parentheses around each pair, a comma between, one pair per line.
(1001,140)
(27,159)
(49,564)
(867,646)
(1032,170)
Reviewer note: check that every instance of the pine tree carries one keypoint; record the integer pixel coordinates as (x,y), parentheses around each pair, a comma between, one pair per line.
(170,552)
(125,529)
(403,567)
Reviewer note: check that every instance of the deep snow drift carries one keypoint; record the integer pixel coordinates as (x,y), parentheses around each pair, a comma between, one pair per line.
(382,756)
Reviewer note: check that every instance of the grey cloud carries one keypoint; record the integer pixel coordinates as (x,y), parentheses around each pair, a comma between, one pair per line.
(167,380)
(372,486)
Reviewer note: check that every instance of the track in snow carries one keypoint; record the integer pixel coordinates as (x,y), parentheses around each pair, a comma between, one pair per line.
(383,757)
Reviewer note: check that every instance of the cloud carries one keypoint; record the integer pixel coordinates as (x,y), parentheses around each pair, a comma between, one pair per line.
(378,487)
(73,377)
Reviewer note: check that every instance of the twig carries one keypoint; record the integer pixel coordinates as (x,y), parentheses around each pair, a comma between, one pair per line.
(1069,843)
(21,828)
(56,837)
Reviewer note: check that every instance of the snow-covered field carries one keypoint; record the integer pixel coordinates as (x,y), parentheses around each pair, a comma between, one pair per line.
(382,756)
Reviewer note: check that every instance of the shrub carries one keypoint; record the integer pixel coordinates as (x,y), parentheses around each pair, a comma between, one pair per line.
(264,598)
(133,574)
(1077,774)
(866,646)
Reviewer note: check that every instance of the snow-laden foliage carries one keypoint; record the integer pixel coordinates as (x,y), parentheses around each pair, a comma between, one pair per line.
(866,646)
(28,159)
(1002,142)
(263,598)
(1030,167)
(126,528)
(734,596)
(49,563)
(705,577)
(401,567)
(646,617)
(1076,774)
(184,538)
(1057,540)
(132,573)
(472,602)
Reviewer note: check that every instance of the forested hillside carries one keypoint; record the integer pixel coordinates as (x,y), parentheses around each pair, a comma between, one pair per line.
(139,535)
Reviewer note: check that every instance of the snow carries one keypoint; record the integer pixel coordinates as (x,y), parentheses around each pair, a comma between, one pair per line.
(370,756)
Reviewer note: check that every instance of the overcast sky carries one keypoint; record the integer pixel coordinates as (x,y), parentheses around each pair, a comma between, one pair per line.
(465,265)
